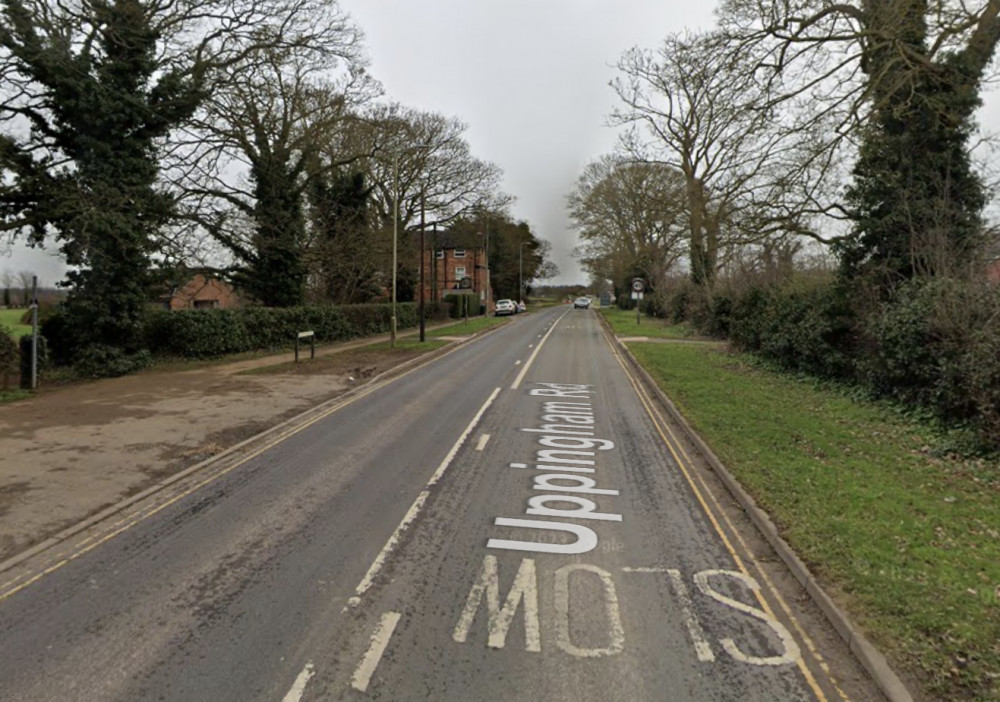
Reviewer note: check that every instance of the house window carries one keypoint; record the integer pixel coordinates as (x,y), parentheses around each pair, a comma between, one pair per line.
(205,304)
(459,272)
(459,253)
(439,253)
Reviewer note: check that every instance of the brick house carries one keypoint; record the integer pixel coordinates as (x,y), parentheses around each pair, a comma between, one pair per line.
(201,291)
(454,263)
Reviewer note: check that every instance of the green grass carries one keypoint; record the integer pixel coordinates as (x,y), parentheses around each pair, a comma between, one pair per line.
(909,543)
(13,394)
(475,324)
(11,319)
(623,324)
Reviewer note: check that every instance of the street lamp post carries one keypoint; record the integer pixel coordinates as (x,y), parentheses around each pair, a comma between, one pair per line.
(395,238)
(520,273)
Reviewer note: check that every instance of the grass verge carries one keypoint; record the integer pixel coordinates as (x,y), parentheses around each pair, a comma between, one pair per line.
(907,542)
(623,324)
(11,319)
(475,324)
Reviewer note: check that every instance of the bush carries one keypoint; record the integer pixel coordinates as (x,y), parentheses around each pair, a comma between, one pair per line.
(460,305)
(99,361)
(216,332)
(805,325)
(56,331)
(8,357)
(43,357)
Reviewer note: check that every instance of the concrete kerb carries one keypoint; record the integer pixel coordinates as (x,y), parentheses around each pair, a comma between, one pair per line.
(870,657)
(261,437)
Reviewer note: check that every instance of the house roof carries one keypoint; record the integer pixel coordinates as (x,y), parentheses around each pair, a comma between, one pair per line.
(449,239)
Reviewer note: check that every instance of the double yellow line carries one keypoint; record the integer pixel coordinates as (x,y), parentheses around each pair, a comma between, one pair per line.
(715,514)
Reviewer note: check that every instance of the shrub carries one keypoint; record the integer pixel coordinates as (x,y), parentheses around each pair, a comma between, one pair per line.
(805,325)
(100,361)
(460,305)
(55,328)
(8,357)
(43,356)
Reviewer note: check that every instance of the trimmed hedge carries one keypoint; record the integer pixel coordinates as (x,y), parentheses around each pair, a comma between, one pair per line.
(207,333)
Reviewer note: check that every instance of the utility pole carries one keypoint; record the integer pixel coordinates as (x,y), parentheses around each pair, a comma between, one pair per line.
(520,272)
(422,253)
(34,332)
(487,225)
(395,236)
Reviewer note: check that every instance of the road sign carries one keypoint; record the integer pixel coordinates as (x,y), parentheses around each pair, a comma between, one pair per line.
(636,295)
(638,285)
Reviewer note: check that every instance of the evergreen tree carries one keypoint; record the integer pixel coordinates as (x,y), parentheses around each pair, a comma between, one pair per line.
(102,103)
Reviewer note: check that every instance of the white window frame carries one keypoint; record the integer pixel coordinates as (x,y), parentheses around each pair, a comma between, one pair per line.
(460,272)
(439,254)
(459,253)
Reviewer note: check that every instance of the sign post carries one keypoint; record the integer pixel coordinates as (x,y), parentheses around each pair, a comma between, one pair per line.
(638,285)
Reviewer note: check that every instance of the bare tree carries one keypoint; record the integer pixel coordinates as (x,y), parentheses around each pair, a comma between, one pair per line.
(24,278)
(424,160)
(630,217)
(753,164)
(907,75)
(262,139)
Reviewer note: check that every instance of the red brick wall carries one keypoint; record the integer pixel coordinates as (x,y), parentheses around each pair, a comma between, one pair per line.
(440,275)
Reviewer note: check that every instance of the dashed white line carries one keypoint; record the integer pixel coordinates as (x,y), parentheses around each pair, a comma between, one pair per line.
(415,508)
(299,686)
(517,362)
(482,442)
(531,359)
(380,639)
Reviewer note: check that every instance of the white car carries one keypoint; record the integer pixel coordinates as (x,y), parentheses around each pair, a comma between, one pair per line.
(581,303)
(521,307)
(504,307)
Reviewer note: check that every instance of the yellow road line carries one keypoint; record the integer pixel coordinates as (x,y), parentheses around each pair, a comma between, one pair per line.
(664,431)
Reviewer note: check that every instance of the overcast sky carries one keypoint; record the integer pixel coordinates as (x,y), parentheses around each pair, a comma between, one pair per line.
(529,77)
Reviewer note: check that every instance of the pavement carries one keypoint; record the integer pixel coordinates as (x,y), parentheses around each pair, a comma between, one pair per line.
(516,519)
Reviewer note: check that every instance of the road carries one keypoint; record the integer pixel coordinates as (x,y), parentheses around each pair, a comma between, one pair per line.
(513,521)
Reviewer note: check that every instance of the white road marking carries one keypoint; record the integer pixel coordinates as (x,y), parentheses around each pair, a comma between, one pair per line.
(531,359)
(791,652)
(483,439)
(415,508)
(517,362)
(701,645)
(299,686)
(380,639)
(531,346)
(525,588)
(616,631)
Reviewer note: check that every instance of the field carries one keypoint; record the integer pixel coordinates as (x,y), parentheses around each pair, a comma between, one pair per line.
(11,320)
(623,323)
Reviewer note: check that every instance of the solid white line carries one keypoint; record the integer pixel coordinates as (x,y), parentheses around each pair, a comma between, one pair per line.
(531,359)
(299,686)
(482,442)
(414,510)
(380,639)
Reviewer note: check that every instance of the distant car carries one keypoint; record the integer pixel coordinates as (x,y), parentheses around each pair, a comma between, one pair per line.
(521,307)
(504,307)
(581,303)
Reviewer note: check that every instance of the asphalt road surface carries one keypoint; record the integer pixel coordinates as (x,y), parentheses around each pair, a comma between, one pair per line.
(513,521)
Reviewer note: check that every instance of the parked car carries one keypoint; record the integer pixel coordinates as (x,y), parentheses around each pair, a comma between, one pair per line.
(521,307)
(581,303)
(504,307)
